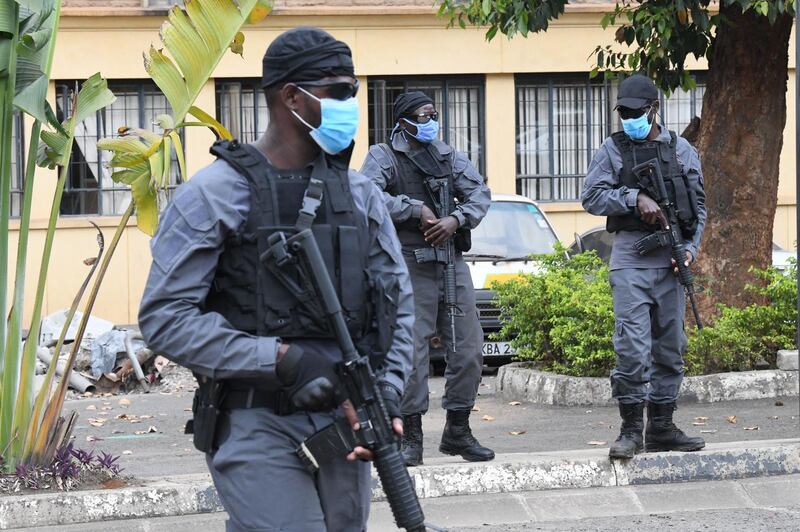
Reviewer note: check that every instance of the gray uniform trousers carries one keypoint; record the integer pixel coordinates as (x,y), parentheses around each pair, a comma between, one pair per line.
(649,338)
(463,373)
(264,486)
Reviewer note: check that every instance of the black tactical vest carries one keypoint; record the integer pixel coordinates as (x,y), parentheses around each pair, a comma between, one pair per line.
(246,293)
(678,189)
(410,172)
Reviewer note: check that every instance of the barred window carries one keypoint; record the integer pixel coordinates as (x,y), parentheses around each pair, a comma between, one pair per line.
(17,164)
(560,123)
(459,100)
(242,108)
(89,188)
(562,120)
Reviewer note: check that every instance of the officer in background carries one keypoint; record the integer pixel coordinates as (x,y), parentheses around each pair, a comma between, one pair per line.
(400,169)
(265,367)
(649,302)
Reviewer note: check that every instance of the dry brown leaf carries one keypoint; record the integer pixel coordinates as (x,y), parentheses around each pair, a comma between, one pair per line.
(514,403)
(124,416)
(91,407)
(596,442)
(731,419)
(124,402)
(113,483)
(107,394)
(517,432)
(488,418)
(701,418)
(750,428)
(106,408)
(88,394)
(97,422)
(778,403)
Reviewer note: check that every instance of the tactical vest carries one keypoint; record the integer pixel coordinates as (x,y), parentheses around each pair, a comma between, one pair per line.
(246,293)
(410,173)
(678,188)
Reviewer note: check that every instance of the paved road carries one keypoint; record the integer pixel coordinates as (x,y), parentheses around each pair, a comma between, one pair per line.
(540,428)
(769,504)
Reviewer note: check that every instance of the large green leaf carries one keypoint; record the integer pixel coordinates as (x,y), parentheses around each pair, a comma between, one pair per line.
(37,6)
(93,96)
(196,39)
(146,199)
(33,56)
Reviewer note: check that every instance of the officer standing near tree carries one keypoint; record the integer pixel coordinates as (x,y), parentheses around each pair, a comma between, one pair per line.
(265,364)
(649,302)
(402,169)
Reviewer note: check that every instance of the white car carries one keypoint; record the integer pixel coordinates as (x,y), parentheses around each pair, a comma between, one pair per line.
(502,244)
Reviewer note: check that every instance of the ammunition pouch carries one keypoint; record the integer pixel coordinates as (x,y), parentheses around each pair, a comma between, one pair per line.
(384,293)
(462,240)
(333,442)
(206,409)
(651,242)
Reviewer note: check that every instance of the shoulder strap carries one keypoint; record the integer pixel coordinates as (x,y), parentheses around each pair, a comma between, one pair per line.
(246,160)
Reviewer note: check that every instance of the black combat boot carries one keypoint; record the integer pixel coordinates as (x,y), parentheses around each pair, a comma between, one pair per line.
(663,435)
(412,439)
(457,439)
(629,441)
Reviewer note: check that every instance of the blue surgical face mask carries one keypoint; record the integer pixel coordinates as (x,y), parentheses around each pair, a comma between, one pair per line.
(426,132)
(637,128)
(338,125)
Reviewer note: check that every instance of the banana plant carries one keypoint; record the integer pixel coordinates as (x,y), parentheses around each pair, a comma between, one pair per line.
(27,36)
(195,39)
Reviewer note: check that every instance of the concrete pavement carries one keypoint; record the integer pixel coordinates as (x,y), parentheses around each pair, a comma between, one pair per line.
(508,428)
(753,504)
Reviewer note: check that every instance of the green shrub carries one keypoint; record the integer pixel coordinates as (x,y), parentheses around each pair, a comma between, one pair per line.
(747,338)
(562,320)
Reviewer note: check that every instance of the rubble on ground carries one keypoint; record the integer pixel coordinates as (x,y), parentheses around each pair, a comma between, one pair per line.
(110,359)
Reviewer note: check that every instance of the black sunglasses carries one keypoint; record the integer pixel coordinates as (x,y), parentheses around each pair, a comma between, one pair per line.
(338,90)
(424,118)
(627,113)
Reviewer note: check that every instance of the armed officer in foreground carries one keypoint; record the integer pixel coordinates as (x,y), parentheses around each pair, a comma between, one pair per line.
(266,363)
(649,302)
(435,196)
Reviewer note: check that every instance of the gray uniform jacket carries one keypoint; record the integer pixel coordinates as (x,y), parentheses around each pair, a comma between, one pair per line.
(603,196)
(474,197)
(205,211)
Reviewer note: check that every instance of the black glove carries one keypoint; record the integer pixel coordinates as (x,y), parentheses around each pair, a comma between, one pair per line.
(309,379)
(391,398)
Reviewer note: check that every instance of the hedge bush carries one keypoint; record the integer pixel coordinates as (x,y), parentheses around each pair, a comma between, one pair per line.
(562,320)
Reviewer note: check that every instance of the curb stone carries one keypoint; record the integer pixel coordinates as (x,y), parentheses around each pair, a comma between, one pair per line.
(516,382)
(193,494)
(787,360)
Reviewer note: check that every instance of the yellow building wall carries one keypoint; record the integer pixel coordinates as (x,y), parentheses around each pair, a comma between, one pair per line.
(393,43)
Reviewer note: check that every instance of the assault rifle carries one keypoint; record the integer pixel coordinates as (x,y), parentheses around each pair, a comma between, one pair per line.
(439,190)
(299,254)
(651,180)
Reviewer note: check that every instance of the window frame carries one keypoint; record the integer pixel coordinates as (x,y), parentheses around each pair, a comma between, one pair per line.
(479,81)
(258,93)
(611,124)
(143,88)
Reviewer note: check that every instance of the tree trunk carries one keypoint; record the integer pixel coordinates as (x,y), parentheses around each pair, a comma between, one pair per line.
(740,139)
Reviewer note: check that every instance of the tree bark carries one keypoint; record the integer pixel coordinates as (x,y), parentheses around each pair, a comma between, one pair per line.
(740,140)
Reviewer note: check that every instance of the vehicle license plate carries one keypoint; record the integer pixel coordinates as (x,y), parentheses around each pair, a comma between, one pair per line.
(495,349)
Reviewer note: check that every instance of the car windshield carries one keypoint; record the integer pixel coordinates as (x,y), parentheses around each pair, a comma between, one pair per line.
(511,230)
